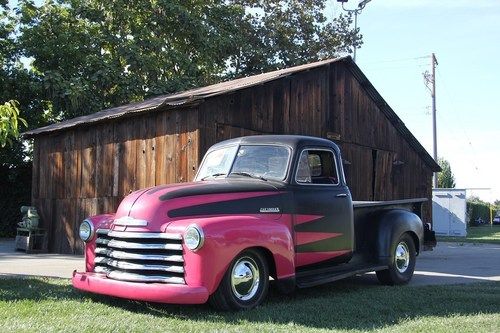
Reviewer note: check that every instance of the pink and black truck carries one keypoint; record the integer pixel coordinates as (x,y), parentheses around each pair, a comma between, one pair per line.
(260,207)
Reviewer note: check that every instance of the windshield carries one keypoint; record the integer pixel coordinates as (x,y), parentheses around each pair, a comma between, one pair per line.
(257,161)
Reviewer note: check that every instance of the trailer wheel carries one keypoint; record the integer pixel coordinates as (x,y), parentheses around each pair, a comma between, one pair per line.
(244,284)
(402,264)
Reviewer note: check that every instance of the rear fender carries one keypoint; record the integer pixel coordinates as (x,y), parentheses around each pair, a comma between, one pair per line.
(392,225)
(225,238)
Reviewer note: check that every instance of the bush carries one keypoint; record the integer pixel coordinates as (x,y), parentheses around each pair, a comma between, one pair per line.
(478,213)
(15,191)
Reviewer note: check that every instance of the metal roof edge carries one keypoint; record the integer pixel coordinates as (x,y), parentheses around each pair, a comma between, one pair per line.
(179,98)
(390,114)
(52,128)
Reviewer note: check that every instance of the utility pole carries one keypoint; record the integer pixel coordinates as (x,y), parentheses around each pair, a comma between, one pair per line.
(434,131)
(431,79)
(356,12)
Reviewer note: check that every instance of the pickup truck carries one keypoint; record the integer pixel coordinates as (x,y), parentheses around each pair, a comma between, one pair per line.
(260,208)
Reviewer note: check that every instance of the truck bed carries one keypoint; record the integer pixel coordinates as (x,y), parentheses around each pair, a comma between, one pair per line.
(366,218)
(403,202)
(364,212)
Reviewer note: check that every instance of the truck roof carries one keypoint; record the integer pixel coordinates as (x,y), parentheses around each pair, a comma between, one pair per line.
(290,140)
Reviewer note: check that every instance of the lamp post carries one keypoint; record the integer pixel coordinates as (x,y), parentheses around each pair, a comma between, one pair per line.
(356,12)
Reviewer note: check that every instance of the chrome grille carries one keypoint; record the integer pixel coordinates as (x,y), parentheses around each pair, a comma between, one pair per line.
(139,256)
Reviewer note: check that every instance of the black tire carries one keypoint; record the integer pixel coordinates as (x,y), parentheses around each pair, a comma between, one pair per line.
(402,266)
(234,291)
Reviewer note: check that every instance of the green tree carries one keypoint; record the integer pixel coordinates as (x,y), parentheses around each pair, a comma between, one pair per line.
(16,84)
(445,177)
(9,111)
(496,205)
(65,58)
(88,55)
(9,122)
(275,34)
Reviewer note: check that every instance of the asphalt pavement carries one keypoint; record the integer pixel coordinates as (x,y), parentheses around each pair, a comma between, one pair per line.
(14,262)
(452,263)
(449,263)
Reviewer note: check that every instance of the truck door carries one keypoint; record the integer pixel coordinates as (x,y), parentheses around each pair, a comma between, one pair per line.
(323,221)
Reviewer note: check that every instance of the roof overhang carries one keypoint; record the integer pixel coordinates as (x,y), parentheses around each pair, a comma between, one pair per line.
(197,95)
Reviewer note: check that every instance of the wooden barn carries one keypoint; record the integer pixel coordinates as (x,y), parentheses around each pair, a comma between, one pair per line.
(86,165)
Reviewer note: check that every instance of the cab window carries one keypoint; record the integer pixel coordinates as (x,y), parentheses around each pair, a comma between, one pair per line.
(317,166)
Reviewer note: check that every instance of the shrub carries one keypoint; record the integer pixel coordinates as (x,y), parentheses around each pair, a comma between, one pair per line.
(477,212)
(15,191)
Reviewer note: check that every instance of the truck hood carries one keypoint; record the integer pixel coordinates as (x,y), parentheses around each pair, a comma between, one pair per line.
(158,206)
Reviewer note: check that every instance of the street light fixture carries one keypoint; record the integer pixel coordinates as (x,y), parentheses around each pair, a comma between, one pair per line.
(356,12)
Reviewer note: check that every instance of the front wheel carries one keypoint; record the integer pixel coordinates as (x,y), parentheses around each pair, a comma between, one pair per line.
(244,284)
(402,265)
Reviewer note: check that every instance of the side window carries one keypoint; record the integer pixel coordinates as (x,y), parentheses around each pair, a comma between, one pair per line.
(317,167)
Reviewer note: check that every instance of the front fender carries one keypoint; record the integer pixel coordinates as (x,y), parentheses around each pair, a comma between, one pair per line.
(226,237)
(392,225)
(102,221)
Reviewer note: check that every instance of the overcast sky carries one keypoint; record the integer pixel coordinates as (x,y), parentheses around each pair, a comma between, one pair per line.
(399,37)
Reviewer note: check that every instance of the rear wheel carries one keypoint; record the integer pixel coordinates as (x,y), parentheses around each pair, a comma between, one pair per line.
(402,264)
(244,284)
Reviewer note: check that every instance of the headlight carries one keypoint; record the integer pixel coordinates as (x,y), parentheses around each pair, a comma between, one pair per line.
(193,237)
(86,230)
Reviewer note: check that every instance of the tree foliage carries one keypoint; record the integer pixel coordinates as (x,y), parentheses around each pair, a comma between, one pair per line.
(9,111)
(479,211)
(445,177)
(92,54)
(65,58)
(9,122)
(275,34)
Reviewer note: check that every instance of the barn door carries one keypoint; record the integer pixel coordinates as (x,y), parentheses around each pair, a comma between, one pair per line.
(382,171)
(359,171)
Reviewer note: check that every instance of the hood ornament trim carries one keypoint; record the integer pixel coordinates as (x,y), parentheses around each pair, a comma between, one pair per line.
(130,222)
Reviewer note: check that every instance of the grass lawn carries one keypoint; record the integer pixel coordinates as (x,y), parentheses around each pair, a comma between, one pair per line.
(482,234)
(47,305)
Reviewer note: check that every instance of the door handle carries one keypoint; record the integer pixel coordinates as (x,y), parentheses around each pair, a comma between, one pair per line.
(341,195)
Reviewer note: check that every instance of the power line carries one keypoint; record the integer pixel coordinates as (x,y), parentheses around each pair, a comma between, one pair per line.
(456,137)
(459,118)
(395,66)
(399,64)
(396,60)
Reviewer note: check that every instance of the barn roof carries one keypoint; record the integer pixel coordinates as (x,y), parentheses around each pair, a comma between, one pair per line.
(199,94)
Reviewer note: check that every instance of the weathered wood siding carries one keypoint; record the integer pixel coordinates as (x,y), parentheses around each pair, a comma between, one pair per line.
(87,171)
(326,102)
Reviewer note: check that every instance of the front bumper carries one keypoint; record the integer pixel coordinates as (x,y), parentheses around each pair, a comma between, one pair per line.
(150,292)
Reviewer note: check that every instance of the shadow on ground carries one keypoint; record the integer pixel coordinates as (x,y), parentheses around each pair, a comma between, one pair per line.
(342,305)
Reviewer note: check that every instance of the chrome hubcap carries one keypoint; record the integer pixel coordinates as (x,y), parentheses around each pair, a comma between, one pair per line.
(402,258)
(245,278)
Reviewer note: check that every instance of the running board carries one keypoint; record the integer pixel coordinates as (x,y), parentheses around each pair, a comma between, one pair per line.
(320,276)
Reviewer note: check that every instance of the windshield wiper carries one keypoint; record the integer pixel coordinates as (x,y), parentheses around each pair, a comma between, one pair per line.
(246,174)
(214,175)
